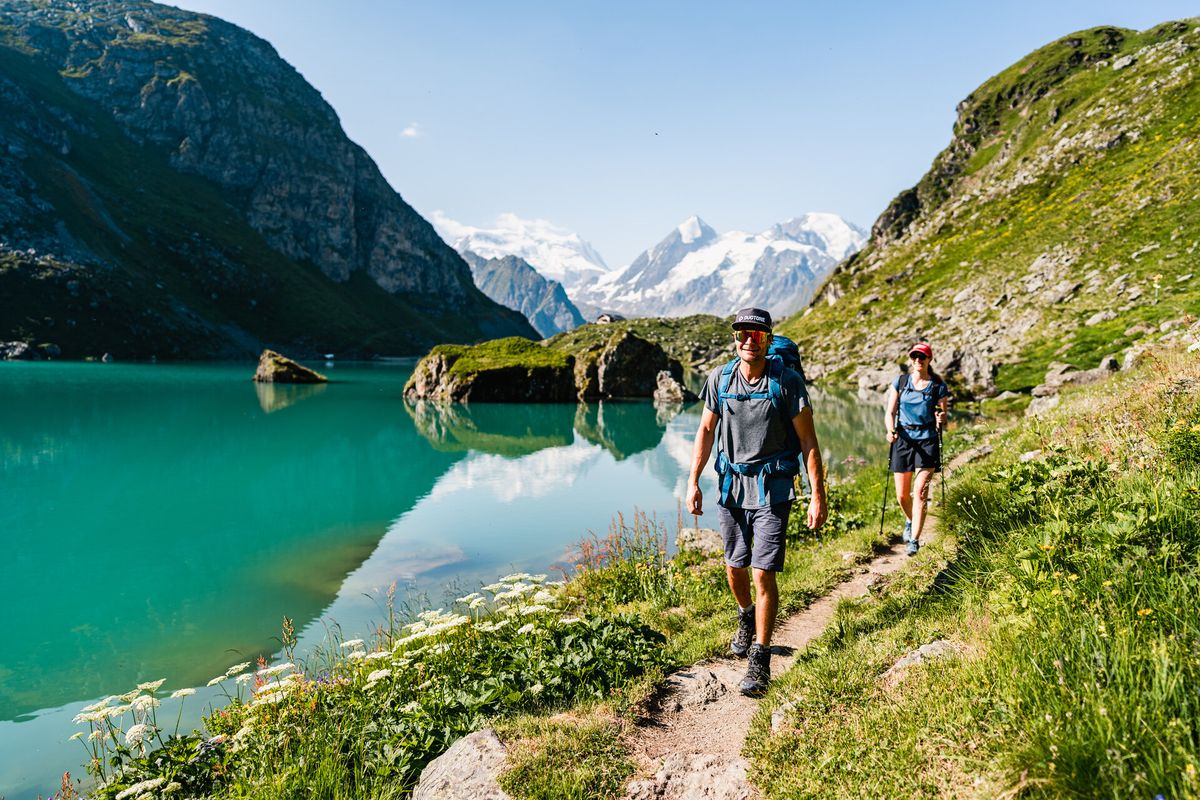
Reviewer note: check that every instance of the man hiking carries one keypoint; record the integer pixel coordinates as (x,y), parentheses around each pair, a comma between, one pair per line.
(758,411)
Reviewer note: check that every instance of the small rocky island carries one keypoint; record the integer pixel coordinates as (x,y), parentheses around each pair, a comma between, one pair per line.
(595,362)
(276,368)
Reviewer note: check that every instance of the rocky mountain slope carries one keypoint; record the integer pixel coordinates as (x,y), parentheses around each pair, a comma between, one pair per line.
(170,186)
(513,283)
(1058,227)
(695,270)
(556,253)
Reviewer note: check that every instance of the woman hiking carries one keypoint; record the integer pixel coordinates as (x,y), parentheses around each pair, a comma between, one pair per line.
(916,409)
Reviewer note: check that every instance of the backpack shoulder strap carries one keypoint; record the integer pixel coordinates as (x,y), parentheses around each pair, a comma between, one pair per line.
(726,377)
(903,384)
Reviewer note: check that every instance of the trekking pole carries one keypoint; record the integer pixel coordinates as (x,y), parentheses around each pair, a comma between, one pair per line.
(941,467)
(883,504)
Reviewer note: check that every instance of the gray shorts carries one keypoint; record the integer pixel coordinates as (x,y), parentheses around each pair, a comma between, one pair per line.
(754,537)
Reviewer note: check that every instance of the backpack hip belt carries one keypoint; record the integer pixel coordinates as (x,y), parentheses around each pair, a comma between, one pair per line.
(784,464)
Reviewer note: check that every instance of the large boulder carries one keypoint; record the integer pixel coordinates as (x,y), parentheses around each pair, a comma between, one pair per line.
(20,351)
(671,392)
(629,366)
(467,771)
(975,371)
(1059,375)
(276,368)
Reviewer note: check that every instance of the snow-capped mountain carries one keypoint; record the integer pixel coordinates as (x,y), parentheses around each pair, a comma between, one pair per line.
(695,270)
(555,252)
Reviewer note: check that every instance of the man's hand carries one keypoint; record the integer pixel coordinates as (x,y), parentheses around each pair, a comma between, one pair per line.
(695,499)
(940,416)
(816,512)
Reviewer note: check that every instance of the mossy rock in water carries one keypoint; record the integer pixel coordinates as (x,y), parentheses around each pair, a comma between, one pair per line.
(276,368)
(512,370)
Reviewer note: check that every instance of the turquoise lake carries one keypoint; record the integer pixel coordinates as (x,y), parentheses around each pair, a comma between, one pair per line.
(161,520)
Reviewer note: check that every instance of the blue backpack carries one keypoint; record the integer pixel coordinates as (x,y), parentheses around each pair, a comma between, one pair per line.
(782,354)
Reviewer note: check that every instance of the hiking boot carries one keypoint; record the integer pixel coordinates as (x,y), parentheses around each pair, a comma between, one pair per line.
(913,547)
(758,673)
(745,632)
(907,532)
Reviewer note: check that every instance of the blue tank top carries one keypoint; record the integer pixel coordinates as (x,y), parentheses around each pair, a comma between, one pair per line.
(917,407)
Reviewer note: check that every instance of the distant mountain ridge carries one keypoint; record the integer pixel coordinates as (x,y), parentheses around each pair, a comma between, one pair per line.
(555,252)
(513,283)
(194,196)
(693,270)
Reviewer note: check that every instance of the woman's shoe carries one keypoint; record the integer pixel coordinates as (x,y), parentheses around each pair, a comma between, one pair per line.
(913,547)
(908,532)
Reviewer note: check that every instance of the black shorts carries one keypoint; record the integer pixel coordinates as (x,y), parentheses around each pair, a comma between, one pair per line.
(910,455)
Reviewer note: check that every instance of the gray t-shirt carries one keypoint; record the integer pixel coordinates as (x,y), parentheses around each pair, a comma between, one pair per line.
(750,430)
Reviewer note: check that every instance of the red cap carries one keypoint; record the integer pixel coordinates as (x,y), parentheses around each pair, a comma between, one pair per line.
(923,348)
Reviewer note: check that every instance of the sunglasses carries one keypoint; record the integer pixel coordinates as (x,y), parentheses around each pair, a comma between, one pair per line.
(758,337)
(918,356)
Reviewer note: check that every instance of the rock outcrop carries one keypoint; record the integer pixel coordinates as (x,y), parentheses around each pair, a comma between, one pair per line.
(504,371)
(276,368)
(512,370)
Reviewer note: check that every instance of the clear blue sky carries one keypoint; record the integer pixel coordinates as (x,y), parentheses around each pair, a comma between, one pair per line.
(620,119)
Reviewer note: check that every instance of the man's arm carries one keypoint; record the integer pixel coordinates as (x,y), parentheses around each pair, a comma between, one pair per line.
(810,450)
(700,453)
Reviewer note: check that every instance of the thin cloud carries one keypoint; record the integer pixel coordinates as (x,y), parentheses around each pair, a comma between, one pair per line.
(412,131)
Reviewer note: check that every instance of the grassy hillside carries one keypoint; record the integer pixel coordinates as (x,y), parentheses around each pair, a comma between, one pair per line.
(1060,224)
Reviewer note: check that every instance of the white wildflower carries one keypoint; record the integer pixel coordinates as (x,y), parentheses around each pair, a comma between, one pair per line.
(275,670)
(119,711)
(378,654)
(244,731)
(139,788)
(357,655)
(534,609)
(492,588)
(172,788)
(99,704)
(477,603)
(93,716)
(125,698)
(526,628)
(470,598)
(178,693)
(242,680)
(416,627)
(137,733)
(96,736)
(152,686)
(536,688)
(352,644)
(410,708)
(216,680)
(543,597)
(491,627)
(268,698)
(236,668)
(378,675)
(571,620)
(76,735)
(141,705)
